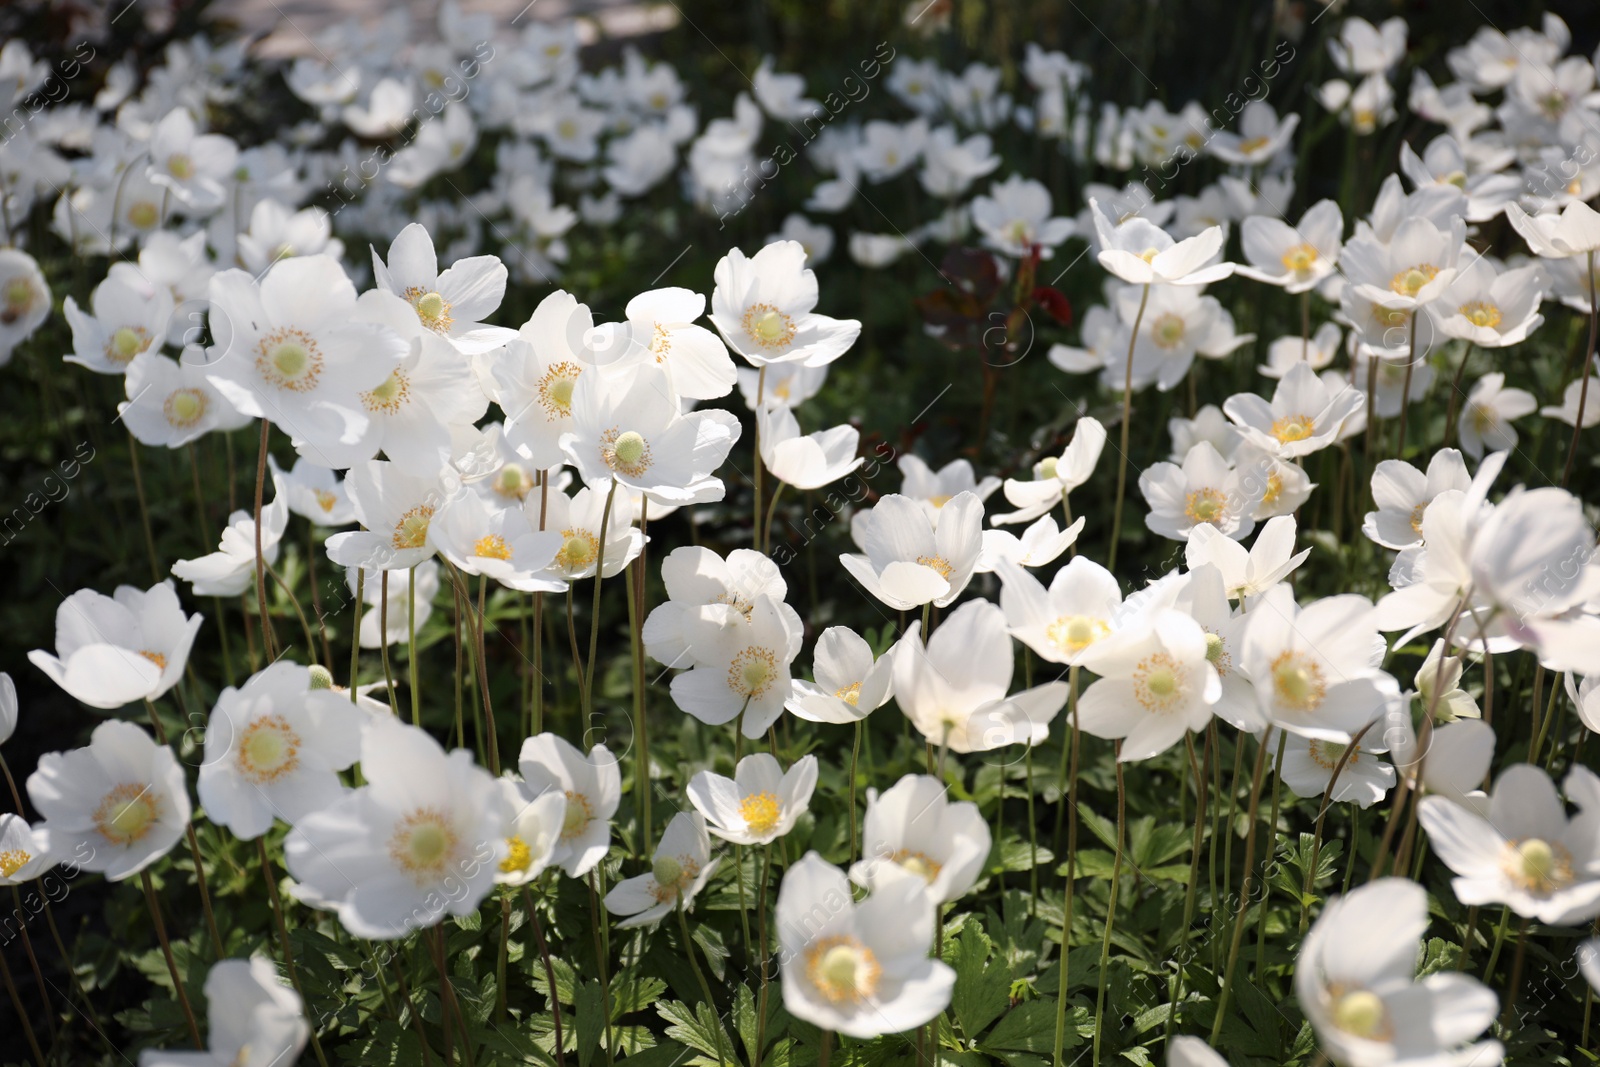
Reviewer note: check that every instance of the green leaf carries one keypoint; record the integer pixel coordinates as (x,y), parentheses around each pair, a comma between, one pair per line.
(1029,1027)
(590,1021)
(981,990)
(699,1028)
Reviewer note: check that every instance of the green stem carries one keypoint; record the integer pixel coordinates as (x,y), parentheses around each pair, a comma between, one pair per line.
(1127,414)
(1244,891)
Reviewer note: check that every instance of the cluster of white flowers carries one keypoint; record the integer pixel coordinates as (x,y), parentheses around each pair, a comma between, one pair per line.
(537,457)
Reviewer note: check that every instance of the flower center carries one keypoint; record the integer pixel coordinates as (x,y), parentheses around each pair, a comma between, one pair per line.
(491,546)
(578,551)
(289,359)
(1206,505)
(412,529)
(154,657)
(184,407)
(842,970)
(1484,418)
(127,342)
(578,817)
(672,875)
(752,671)
(919,863)
(1410,281)
(423,844)
(1254,144)
(1292,428)
(269,750)
(513,481)
(660,343)
(1416,518)
(937,563)
(12,861)
(555,389)
(939,500)
(1274,489)
(1300,258)
(1217,654)
(1390,318)
(519,857)
(1326,754)
(760,812)
(321,677)
(433,310)
(1158,682)
(1362,1014)
(1047,467)
(143,214)
(391,396)
(768,327)
(1298,682)
(850,694)
(20,295)
(626,453)
(1481,313)
(127,813)
(1167,331)
(1074,633)
(1537,865)
(325,499)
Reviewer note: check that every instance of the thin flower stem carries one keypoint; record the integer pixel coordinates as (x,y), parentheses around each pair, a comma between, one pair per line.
(447,996)
(1127,415)
(705,987)
(383,643)
(355,633)
(305,624)
(636,615)
(855,755)
(172,964)
(1201,783)
(1111,911)
(27,1024)
(194,848)
(480,659)
(268,639)
(1266,886)
(1237,935)
(755,516)
(1033,831)
(500,959)
(602,935)
(549,975)
(1455,395)
(38,975)
(761,951)
(1069,786)
(594,622)
(1322,814)
(1405,391)
(1583,373)
(411,647)
(1499,940)
(144,512)
(416,1016)
(72,972)
(283,938)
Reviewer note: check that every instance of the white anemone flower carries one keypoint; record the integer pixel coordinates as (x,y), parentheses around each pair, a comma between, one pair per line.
(1309,763)
(679,869)
(627,429)
(1081,607)
(114,650)
(24,300)
(423,838)
(533,376)
(762,305)
(125,323)
(1413,269)
(314,492)
(907,562)
(858,969)
(806,461)
(273,749)
(478,537)
(1261,136)
(698,579)
(577,521)
(194,166)
(1297,258)
(290,349)
(1142,253)
(24,854)
(1356,981)
(533,833)
(1015,219)
(450,303)
(1156,682)
(253,1017)
(396,510)
(231,569)
(1487,415)
(1205,488)
(8,707)
(1041,543)
(1574,232)
(1402,493)
(741,666)
(955,688)
(592,785)
(1054,477)
(1304,415)
(1527,853)
(116,805)
(1318,350)
(850,684)
(1315,668)
(1490,309)
(760,803)
(172,402)
(914,828)
(661,327)
(1247,574)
